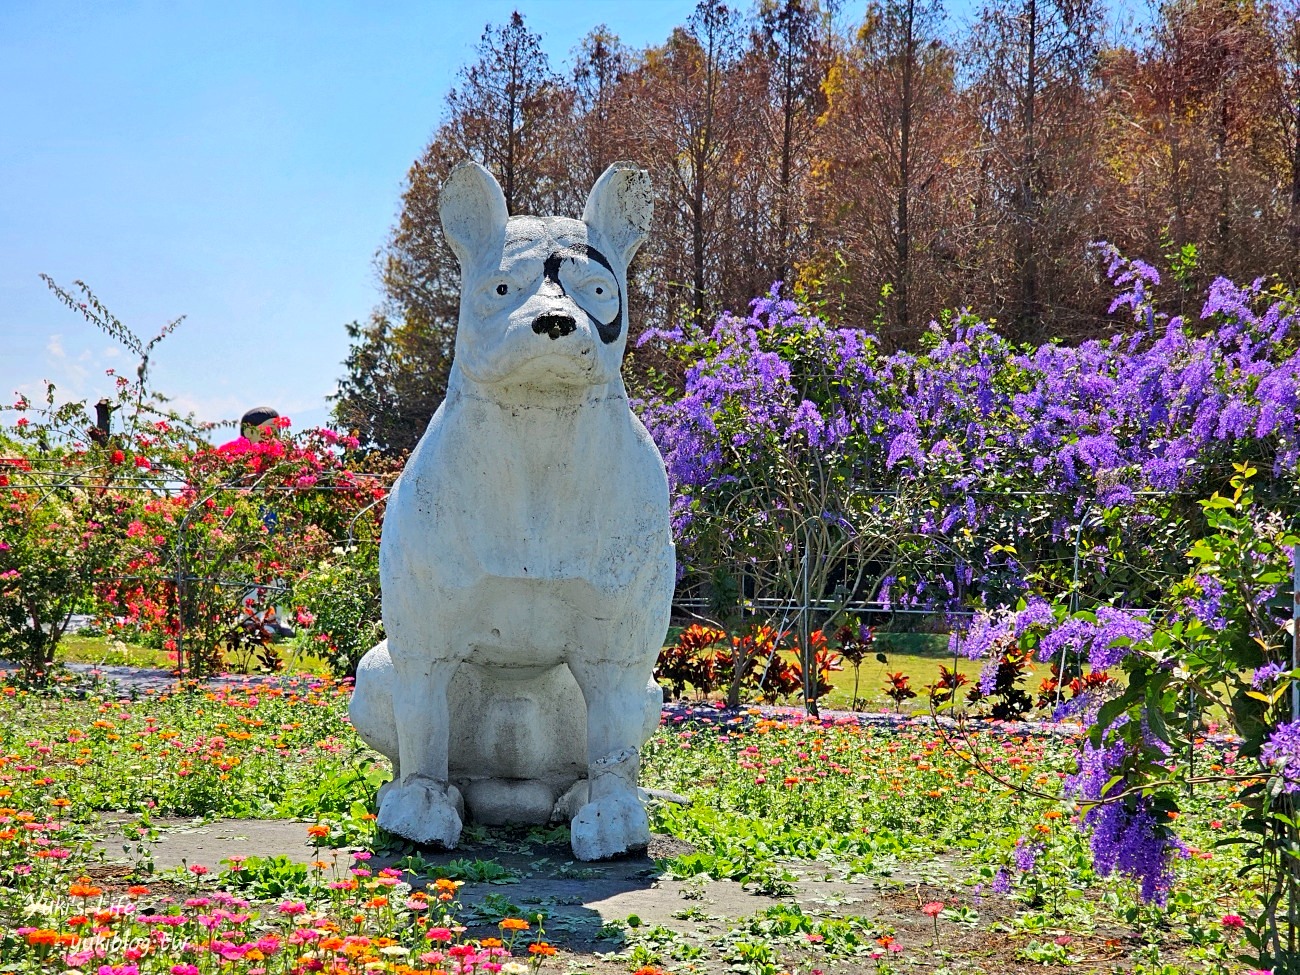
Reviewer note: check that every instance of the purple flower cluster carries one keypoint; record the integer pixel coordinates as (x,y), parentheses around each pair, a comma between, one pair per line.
(1104,643)
(1208,606)
(780,391)
(1027,855)
(1128,837)
(1126,833)
(1001,882)
(1281,753)
(1265,675)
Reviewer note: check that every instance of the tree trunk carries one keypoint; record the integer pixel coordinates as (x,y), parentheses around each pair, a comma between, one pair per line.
(1294,229)
(903,240)
(1026,257)
(1223,224)
(787,165)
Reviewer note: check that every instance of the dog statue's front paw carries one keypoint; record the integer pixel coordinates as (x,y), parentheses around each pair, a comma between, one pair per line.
(611,826)
(427,812)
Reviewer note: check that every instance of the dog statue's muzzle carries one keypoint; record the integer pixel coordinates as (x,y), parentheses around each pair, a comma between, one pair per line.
(554,325)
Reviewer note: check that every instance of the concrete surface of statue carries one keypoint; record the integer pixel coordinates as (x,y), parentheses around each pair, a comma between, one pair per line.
(527,564)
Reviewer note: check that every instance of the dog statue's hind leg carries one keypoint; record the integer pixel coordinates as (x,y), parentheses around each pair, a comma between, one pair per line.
(614,821)
(423,806)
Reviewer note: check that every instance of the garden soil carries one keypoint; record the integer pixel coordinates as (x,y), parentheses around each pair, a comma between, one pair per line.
(614,916)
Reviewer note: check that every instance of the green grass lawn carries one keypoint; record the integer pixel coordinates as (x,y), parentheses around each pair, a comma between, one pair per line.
(918,655)
(105,651)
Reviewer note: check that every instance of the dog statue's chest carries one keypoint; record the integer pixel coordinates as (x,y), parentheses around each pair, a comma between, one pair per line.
(533,494)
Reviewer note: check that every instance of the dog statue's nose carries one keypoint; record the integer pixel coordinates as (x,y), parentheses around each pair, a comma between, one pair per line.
(554,325)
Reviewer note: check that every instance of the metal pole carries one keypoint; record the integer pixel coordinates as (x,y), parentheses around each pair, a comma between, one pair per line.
(809,655)
(1074,600)
(1295,633)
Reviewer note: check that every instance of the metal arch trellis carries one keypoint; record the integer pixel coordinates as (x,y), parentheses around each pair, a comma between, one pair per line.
(803,606)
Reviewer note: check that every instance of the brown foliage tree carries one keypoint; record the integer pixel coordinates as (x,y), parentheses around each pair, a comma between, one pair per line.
(1196,138)
(888,150)
(1034,89)
(687,121)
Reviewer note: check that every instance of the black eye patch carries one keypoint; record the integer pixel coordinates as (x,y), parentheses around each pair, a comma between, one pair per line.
(608,331)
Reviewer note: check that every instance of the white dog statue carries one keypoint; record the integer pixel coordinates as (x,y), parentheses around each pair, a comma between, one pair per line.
(527,563)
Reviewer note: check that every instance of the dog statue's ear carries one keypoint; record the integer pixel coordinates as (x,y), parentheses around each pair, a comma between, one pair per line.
(473,212)
(619,207)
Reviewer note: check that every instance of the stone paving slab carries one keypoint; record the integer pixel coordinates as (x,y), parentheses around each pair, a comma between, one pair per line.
(184,842)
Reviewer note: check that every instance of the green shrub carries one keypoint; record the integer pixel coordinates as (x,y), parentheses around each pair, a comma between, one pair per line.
(339,604)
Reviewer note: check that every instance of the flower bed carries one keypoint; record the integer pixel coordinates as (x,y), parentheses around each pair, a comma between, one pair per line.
(781,803)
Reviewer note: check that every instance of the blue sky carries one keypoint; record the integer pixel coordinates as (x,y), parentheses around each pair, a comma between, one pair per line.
(237,163)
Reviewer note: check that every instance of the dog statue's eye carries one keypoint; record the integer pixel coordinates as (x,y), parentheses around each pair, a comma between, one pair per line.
(600,291)
(503,289)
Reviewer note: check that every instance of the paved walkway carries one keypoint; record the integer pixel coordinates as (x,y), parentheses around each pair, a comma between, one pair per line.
(135,681)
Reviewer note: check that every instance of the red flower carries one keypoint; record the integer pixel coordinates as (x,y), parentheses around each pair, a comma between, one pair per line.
(118,457)
(142,462)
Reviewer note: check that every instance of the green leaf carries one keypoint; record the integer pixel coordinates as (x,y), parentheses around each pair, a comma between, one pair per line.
(1106,717)
(1155,712)
(1218,501)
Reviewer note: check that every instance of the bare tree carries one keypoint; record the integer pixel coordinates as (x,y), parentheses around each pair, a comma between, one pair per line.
(1034,65)
(888,141)
(509,113)
(686,115)
(794,47)
(600,64)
